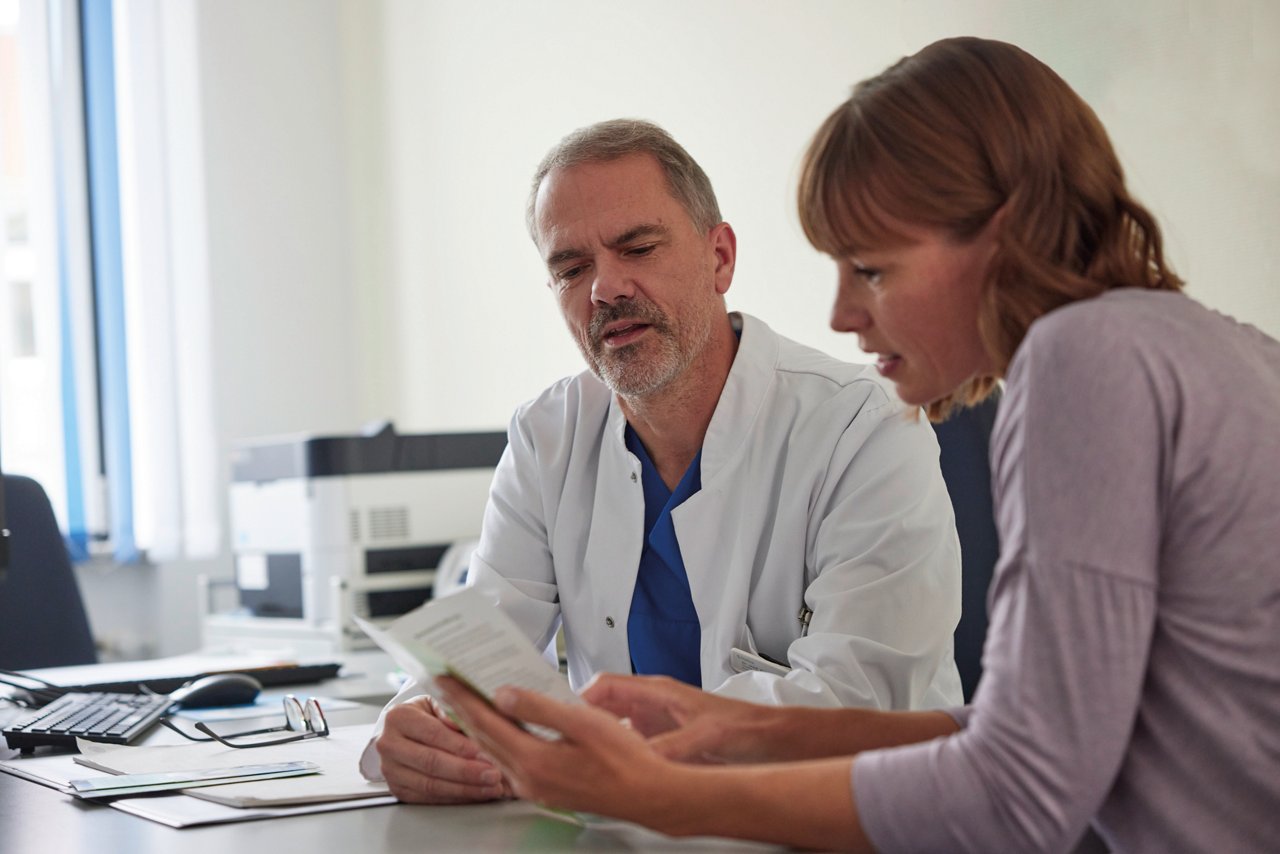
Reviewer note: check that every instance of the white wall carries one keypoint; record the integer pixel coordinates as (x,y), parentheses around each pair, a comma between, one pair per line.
(477,92)
(366,164)
(279,243)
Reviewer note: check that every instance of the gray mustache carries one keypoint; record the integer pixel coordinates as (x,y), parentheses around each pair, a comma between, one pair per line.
(638,312)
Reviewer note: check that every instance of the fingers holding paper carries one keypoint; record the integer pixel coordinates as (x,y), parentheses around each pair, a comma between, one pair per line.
(426,760)
(598,765)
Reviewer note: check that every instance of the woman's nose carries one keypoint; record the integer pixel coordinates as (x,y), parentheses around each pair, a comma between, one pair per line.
(848,313)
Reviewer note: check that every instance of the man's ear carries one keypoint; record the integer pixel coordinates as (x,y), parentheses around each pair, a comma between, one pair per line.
(724,243)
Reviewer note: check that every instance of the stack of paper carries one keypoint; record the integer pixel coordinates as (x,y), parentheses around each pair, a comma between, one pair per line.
(121,785)
(57,770)
(336,755)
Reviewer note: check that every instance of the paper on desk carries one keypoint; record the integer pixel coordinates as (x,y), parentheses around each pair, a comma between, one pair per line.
(120,785)
(180,811)
(56,770)
(467,636)
(337,755)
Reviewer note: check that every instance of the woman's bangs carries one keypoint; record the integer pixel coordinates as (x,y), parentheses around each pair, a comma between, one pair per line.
(845,191)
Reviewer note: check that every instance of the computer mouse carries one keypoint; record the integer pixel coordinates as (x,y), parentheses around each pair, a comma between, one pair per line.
(23,698)
(219,689)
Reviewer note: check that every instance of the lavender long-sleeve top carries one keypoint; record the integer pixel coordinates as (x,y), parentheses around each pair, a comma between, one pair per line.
(1132,666)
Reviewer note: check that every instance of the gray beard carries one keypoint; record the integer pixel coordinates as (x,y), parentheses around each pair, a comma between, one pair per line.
(635,370)
(633,373)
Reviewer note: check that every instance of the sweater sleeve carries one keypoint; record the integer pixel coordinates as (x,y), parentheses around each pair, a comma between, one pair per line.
(1076,469)
(1040,749)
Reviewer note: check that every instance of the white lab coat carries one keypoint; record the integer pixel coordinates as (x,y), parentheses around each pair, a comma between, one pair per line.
(819,488)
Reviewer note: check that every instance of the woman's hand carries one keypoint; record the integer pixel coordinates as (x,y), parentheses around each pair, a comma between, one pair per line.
(598,765)
(686,723)
(690,725)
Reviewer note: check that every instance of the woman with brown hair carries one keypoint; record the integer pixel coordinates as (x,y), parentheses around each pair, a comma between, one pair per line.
(982,230)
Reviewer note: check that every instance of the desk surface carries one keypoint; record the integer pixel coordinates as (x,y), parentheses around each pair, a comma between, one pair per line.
(36,818)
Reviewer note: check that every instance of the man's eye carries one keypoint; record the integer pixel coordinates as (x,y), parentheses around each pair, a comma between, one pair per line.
(569,273)
(641,250)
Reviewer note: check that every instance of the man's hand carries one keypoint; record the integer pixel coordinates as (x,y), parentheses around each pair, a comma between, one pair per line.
(427,760)
(686,723)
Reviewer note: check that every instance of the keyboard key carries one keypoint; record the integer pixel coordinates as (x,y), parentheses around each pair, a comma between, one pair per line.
(118,718)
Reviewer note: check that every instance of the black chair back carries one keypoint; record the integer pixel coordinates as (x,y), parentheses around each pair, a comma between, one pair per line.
(42,617)
(964,439)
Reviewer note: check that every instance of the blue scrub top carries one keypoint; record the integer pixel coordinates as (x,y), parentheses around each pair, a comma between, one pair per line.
(663,629)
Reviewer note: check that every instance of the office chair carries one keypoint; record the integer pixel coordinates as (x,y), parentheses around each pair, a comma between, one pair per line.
(964,439)
(42,618)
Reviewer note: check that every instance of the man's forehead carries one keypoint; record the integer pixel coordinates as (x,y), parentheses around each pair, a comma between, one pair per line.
(603,201)
(605,183)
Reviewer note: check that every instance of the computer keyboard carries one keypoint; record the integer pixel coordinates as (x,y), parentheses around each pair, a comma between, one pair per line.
(96,716)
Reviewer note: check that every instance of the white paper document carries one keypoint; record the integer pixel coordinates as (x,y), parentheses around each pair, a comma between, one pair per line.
(181,811)
(467,636)
(55,770)
(120,785)
(337,754)
(59,769)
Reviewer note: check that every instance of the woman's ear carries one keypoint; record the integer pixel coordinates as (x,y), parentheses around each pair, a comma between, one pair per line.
(995,225)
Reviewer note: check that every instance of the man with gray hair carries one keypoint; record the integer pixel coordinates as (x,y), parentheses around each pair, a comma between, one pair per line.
(709,501)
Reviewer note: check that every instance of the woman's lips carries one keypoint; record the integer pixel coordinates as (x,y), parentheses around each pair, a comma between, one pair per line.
(886,365)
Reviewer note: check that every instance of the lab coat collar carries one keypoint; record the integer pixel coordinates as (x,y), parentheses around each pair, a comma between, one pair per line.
(740,402)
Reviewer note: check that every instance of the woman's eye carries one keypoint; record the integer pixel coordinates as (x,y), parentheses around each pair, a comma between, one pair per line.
(870,275)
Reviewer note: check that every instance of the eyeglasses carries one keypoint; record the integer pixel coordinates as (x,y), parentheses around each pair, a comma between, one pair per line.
(306,720)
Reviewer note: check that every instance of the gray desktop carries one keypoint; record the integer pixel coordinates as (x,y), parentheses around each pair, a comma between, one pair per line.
(36,817)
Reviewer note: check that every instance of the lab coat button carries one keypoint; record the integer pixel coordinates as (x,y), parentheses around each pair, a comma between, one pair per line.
(608,621)
(633,477)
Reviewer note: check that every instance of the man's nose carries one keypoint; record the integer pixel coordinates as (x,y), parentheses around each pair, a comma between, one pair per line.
(611,283)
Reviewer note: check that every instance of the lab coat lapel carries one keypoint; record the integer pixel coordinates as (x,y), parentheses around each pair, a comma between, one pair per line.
(706,527)
(612,556)
(707,524)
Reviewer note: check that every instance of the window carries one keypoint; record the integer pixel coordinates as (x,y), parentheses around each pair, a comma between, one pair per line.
(88,302)
(46,305)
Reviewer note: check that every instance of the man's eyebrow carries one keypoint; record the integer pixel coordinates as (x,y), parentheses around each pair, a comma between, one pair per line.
(559,257)
(639,232)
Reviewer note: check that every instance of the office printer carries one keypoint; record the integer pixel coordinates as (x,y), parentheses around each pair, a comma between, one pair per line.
(326,527)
